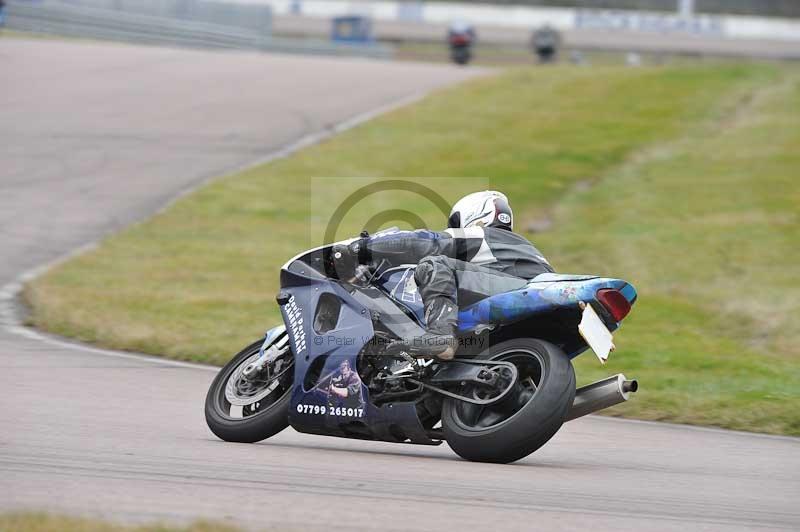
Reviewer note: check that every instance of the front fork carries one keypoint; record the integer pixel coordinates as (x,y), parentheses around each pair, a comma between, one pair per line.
(270,350)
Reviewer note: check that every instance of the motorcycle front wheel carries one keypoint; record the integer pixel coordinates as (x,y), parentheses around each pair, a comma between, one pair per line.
(247,410)
(527,418)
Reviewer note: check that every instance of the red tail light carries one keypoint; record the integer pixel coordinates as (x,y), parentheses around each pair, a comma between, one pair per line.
(614,302)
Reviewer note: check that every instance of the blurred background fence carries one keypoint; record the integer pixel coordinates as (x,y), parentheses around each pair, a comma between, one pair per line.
(254,17)
(396,26)
(196,23)
(763,8)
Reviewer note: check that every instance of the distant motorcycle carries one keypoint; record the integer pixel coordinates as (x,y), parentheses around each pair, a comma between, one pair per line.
(460,38)
(334,367)
(546,43)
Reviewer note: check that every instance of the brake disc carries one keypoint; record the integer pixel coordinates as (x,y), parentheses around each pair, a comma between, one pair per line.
(240,391)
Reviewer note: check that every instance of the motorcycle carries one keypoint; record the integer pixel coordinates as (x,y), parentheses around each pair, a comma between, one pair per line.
(460,37)
(335,366)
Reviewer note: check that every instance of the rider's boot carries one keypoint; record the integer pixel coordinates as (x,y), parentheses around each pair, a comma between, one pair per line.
(439,341)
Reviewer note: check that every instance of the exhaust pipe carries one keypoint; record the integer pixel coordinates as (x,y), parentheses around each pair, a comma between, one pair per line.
(601,394)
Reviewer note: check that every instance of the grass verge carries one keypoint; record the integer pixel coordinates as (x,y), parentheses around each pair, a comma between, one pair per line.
(681,179)
(42,522)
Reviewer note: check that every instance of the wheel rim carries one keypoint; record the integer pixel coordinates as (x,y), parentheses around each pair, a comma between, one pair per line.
(531,368)
(240,398)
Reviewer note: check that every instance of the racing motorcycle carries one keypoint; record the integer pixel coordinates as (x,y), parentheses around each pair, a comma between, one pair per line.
(460,38)
(335,366)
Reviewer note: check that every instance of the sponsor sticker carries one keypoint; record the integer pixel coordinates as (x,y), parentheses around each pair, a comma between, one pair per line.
(336,411)
(296,325)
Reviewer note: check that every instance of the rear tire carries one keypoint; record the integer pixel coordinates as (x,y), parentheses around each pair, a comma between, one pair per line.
(461,56)
(530,420)
(268,420)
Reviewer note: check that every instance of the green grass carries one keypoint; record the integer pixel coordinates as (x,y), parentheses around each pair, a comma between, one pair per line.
(17,34)
(13,33)
(42,522)
(681,179)
(708,229)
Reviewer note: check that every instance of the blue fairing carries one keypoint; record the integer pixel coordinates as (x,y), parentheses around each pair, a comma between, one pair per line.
(399,284)
(318,354)
(539,297)
(545,293)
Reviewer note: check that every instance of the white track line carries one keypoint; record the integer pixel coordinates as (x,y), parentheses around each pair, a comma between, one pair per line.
(10,317)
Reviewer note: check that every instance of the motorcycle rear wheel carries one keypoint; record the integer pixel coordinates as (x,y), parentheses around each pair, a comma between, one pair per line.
(461,55)
(267,415)
(527,419)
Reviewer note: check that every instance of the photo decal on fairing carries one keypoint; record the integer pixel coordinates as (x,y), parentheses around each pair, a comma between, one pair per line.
(341,392)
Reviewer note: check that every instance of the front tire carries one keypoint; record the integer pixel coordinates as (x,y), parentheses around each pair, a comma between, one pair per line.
(264,416)
(527,419)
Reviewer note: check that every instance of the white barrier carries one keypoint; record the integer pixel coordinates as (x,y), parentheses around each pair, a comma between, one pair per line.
(728,26)
(71,19)
(762,28)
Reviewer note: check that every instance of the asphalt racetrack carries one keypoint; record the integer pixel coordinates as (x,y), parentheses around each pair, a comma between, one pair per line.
(94,137)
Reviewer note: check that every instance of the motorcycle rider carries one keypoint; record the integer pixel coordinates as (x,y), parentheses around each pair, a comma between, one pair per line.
(477,256)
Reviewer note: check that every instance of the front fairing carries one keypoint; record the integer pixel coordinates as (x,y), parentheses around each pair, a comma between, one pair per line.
(322,346)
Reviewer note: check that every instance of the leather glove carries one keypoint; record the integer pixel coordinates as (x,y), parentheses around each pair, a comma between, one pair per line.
(345,259)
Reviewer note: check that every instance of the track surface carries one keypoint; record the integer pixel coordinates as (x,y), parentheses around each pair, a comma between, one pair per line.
(93,137)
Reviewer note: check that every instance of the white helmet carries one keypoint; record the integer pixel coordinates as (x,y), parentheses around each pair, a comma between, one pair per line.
(483,209)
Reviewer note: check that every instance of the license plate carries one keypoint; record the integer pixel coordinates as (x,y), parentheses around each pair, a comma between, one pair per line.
(596,334)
